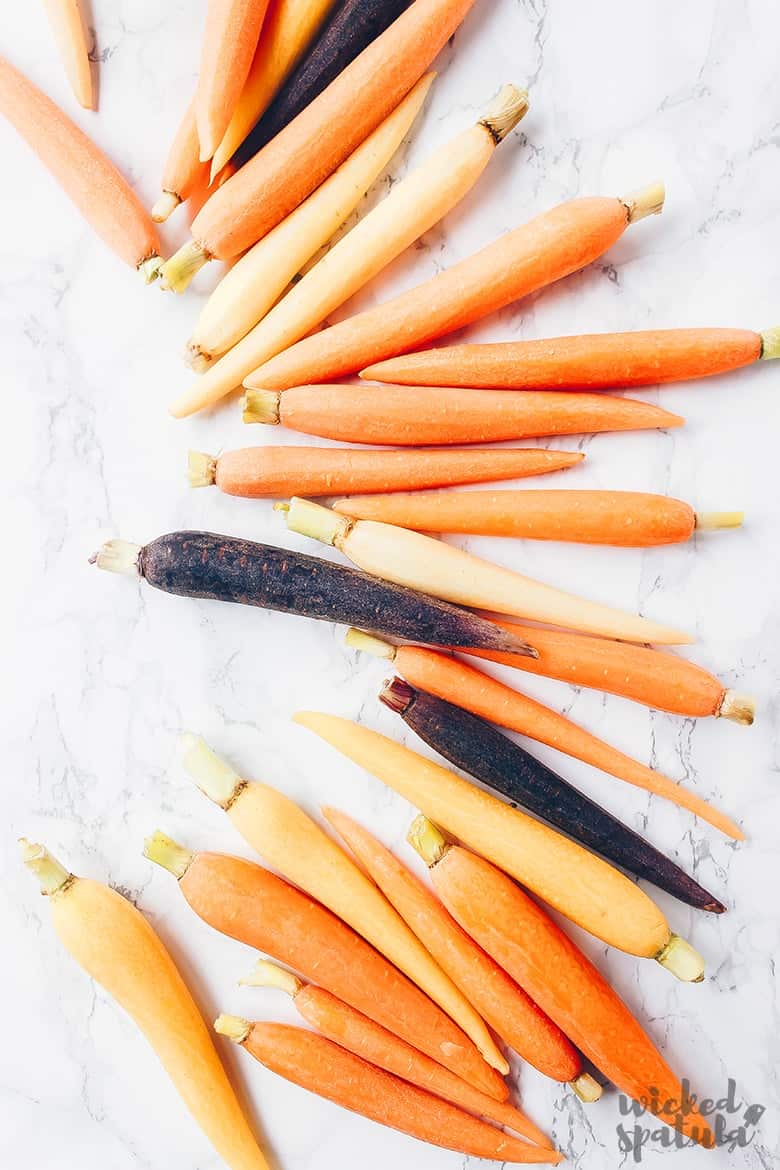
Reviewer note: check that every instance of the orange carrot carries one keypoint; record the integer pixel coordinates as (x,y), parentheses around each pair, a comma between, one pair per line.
(229,42)
(355,1032)
(535,951)
(594,361)
(321,471)
(623,519)
(69,27)
(429,417)
(250,904)
(648,676)
(184,171)
(331,1072)
(529,258)
(279,178)
(506,1007)
(101,194)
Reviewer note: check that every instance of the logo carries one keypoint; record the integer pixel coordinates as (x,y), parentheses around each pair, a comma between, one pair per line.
(732,1122)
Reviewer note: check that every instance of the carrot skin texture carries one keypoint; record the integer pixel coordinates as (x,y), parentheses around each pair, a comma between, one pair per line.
(597,361)
(90,180)
(69,27)
(183,171)
(229,42)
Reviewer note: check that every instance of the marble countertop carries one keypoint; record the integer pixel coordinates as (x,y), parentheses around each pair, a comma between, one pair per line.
(101,674)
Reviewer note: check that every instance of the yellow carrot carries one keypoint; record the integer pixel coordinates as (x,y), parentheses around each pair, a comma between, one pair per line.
(70,32)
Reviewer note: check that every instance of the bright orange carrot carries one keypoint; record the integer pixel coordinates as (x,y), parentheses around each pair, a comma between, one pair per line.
(535,951)
(184,171)
(321,471)
(355,1032)
(595,361)
(101,194)
(331,1072)
(70,32)
(429,417)
(229,42)
(529,258)
(506,1007)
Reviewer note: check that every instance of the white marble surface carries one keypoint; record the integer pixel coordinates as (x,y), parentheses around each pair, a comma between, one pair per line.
(101,674)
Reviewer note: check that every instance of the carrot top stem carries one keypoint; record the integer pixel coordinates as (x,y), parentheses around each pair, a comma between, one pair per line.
(150,268)
(397,695)
(427,840)
(268,974)
(510,106)
(358,640)
(683,960)
(646,201)
(213,776)
(177,272)
(118,556)
(262,406)
(587,1088)
(166,852)
(716,521)
(165,206)
(52,876)
(201,469)
(234,1027)
(315,521)
(737,707)
(770,344)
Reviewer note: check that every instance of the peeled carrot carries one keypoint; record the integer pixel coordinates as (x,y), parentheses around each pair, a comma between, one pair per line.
(297,848)
(184,171)
(523,261)
(510,1012)
(320,471)
(573,881)
(332,1072)
(441,570)
(535,951)
(647,676)
(113,942)
(426,417)
(355,1032)
(70,32)
(250,904)
(279,178)
(594,361)
(229,43)
(103,197)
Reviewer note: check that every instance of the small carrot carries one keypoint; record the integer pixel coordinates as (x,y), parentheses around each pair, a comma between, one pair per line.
(441,570)
(545,249)
(184,171)
(510,1012)
(320,471)
(520,936)
(70,32)
(95,186)
(355,1032)
(424,417)
(229,43)
(595,361)
(248,903)
(332,1072)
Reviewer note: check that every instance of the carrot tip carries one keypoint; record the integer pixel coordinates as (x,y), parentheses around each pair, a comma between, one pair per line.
(509,108)
(770,344)
(165,206)
(262,406)
(646,201)
(737,707)
(683,960)
(176,273)
(201,469)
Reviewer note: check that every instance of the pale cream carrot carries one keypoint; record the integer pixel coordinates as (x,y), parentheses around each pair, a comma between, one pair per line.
(68,23)
(184,172)
(229,43)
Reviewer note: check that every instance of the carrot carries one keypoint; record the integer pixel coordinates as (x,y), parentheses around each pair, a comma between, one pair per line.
(647,676)
(331,1072)
(506,1007)
(70,32)
(289,28)
(427,417)
(95,186)
(594,361)
(112,941)
(184,171)
(421,562)
(578,884)
(248,903)
(229,43)
(624,519)
(536,952)
(279,178)
(355,1032)
(320,471)
(545,249)
(298,849)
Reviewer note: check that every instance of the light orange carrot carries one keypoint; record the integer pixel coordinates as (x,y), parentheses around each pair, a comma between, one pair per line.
(100,193)
(594,361)
(529,258)
(70,32)
(321,471)
(229,42)
(428,417)
(331,1072)
(184,171)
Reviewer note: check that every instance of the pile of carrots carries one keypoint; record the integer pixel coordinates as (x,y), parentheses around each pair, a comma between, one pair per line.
(414,989)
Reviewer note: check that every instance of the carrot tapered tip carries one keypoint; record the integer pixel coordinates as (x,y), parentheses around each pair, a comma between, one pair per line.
(739,708)
(183,266)
(234,1027)
(683,960)
(201,469)
(52,876)
(770,344)
(165,206)
(587,1088)
(509,108)
(646,201)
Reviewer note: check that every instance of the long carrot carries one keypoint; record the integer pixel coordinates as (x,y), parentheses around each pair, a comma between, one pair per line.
(229,42)
(332,1072)
(648,676)
(70,32)
(578,884)
(594,361)
(355,1032)
(545,249)
(183,171)
(250,904)
(279,178)
(441,570)
(536,952)
(511,1013)
(623,519)
(320,471)
(425,417)
(298,849)
(113,942)
(100,193)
